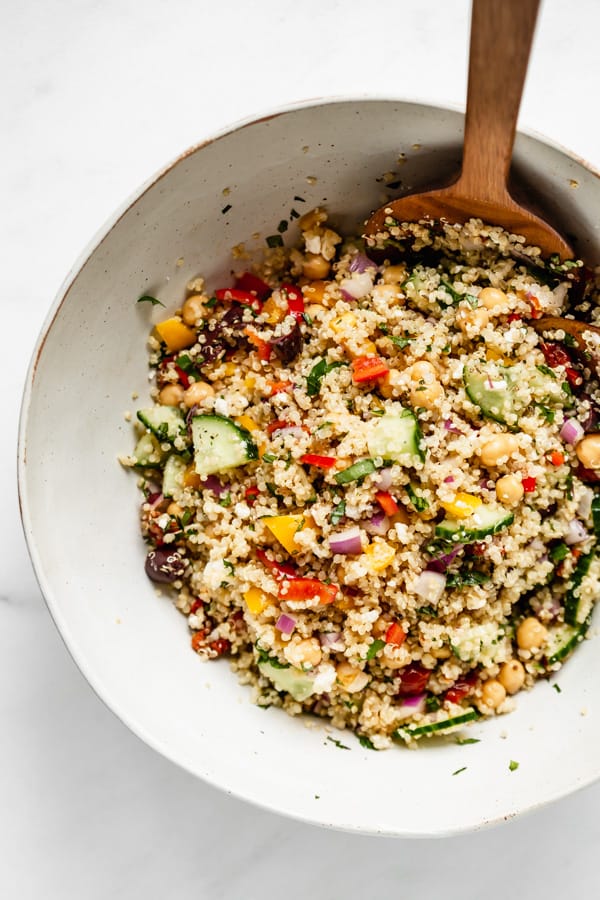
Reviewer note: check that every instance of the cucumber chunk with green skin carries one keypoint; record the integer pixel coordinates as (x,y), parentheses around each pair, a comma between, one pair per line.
(442,725)
(165,422)
(356,471)
(485,520)
(493,394)
(173,472)
(294,682)
(577,606)
(563,639)
(148,453)
(220,444)
(596,514)
(396,436)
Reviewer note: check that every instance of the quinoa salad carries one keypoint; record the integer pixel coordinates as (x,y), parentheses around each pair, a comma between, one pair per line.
(369,472)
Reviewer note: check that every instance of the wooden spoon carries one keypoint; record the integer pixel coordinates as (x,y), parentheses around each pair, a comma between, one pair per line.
(588,347)
(501,35)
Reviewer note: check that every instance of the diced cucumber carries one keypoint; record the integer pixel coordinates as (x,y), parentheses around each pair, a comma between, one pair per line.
(165,422)
(492,393)
(485,520)
(596,514)
(173,471)
(220,444)
(148,452)
(298,684)
(356,471)
(563,639)
(577,605)
(440,726)
(396,436)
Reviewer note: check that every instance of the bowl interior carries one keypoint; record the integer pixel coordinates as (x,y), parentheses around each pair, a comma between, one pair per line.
(80,506)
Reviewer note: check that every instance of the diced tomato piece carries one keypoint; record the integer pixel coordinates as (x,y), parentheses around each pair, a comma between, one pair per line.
(295,300)
(529,484)
(368,368)
(280,570)
(557,458)
(277,387)
(387,503)
(245,298)
(220,646)
(573,377)
(514,317)
(413,680)
(198,639)
(576,552)
(196,605)
(555,355)
(395,634)
(253,284)
(183,378)
(250,495)
(299,589)
(461,688)
(321,462)
(536,306)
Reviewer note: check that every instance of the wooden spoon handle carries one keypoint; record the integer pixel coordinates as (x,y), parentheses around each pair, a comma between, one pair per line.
(501,35)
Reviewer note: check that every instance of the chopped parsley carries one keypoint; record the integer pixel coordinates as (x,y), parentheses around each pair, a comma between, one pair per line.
(513,765)
(274,240)
(432,704)
(185,518)
(375,647)
(462,741)
(229,566)
(365,741)
(569,340)
(559,552)
(225,500)
(147,299)
(557,688)
(307,319)
(226,209)
(466,579)
(356,472)
(427,611)
(546,370)
(273,491)
(567,388)
(337,743)
(400,342)
(264,657)
(338,512)
(317,373)
(458,771)
(210,304)
(268,458)
(547,414)
(283,226)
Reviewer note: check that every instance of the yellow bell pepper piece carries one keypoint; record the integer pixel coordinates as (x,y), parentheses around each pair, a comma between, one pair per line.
(273,312)
(462,506)
(230,368)
(379,555)
(285,529)
(256,600)
(175,334)
(246,422)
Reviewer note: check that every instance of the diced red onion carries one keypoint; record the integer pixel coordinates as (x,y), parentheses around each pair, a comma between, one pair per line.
(449,480)
(385,479)
(347,542)
(360,263)
(450,426)
(358,285)
(155,499)
(572,431)
(212,483)
(285,624)
(414,701)
(441,563)
(576,533)
(378,524)
(410,706)
(430,585)
(327,638)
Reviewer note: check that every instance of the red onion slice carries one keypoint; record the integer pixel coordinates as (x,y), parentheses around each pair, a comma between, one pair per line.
(346,542)
(212,483)
(430,585)
(385,479)
(360,263)
(378,524)
(285,624)
(576,533)
(572,431)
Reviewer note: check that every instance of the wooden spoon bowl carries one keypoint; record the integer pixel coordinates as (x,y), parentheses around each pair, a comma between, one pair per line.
(501,36)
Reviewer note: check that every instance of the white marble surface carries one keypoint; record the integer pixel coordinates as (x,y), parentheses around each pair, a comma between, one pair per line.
(95,97)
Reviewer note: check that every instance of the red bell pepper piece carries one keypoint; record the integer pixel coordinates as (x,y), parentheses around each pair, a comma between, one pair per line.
(295,300)
(461,688)
(299,589)
(263,347)
(395,634)
(555,355)
(368,368)
(280,570)
(253,284)
(557,458)
(245,298)
(387,503)
(413,680)
(250,495)
(529,484)
(321,462)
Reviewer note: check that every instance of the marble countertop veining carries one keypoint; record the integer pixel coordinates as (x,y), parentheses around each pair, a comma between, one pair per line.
(95,97)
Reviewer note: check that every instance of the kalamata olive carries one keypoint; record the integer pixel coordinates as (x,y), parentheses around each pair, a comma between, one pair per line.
(164,565)
(288,346)
(592,421)
(212,346)
(232,326)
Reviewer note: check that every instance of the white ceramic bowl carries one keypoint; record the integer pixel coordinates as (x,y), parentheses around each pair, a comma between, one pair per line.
(80,507)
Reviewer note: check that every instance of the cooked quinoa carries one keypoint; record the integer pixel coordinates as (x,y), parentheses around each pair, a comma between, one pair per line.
(368,474)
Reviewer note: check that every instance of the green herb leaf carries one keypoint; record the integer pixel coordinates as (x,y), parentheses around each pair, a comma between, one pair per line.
(559,552)
(268,458)
(419,503)
(427,611)
(375,647)
(337,743)
(458,771)
(462,741)
(355,472)
(546,370)
(211,303)
(283,226)
(466,579)
(338,512)
(557,688)
(567,388)
(185,518)
(364,741)
(147,299)
(225,500)
(432,704)
(569,340)
(513,766)
(229,566)
(317,373)
(307,319)
(273,491)
(274,240)
(400,342)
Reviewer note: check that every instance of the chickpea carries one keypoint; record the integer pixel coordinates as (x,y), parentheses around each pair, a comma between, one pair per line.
(531,634)
(314,292)
(197,392)
(312,219)
(394,274)
(493,299)
(509,489)
(426,395)
(193,309)
(588,451)
(388,293)
(472,321)
(493,693)
(512,676)
(315,266)
(422,370)
(351,678)
(305,654)
(171,395)
(175,510)
(500,447)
